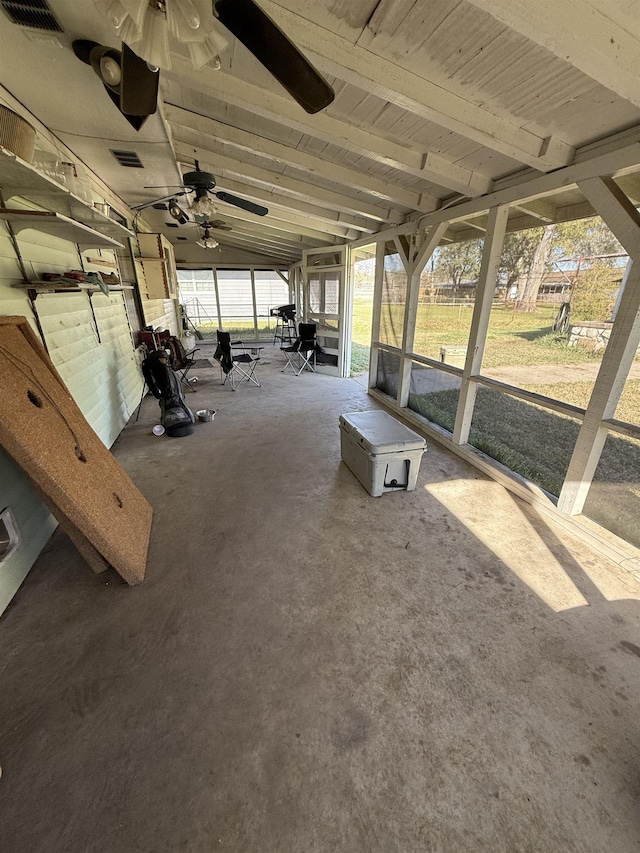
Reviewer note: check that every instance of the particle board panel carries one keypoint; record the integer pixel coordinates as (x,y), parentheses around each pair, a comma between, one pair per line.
(45,432)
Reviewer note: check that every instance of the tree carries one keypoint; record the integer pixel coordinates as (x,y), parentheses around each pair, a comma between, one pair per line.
(459,262)
(517,254)
(579,242)
(527,299)
(584,238)
(593,294)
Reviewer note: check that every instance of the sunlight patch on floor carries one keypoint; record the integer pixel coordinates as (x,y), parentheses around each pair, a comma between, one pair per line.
(491,513)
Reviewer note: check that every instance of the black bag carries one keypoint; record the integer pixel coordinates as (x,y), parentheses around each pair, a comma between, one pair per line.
(177,419)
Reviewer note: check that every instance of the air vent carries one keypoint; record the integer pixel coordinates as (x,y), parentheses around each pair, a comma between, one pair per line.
(127,158)
(171,224)
(159,206)
(181,238)
(36,14)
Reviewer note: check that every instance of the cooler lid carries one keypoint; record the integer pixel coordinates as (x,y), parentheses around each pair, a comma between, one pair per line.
(379,432)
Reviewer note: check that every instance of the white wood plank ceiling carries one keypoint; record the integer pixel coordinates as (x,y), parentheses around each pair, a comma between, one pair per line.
(435,101)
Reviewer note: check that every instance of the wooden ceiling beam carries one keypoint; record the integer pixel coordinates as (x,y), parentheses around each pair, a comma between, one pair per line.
(226,166)
(190,127)
(228,88)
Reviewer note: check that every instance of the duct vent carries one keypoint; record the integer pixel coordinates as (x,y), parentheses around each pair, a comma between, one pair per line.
(171,224)
(127,158)
(36,14)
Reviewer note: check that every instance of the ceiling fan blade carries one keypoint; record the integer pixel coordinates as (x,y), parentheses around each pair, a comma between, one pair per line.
(266,41)
(244,203)
(139,86)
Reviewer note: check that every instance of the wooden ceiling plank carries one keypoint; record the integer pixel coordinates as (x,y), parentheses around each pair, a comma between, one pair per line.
(186,123)
(579,34)
(426,165)
(499,131)
(226,165)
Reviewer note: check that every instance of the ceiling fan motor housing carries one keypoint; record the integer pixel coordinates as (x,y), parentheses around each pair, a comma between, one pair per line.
(199,181)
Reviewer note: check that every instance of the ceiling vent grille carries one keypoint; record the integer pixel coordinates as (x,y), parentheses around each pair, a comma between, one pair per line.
(181,238)
(171,224)
(36,14)
(127,158)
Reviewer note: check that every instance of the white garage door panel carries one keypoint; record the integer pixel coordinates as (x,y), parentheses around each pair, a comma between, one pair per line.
(89,341)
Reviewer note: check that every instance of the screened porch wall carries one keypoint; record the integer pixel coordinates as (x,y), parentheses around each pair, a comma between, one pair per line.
(504,390)
(238,301)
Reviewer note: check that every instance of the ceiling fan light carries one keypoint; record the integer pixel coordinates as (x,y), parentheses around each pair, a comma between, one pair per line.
(207,243)
(205,52)
(147,25)
(126,16)
(183,20)
(153,47)
(203,206)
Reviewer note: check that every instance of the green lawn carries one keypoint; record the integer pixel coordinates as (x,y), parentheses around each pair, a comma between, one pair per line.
(530,440)
(538,444)
(513,338)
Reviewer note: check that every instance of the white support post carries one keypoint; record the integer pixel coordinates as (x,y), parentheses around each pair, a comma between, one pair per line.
(215,287)
(345,313)
(404,377)
(623,219)
(489,267)
(609,384)
(255,304)
(377,311)
(415,267)
(616,209)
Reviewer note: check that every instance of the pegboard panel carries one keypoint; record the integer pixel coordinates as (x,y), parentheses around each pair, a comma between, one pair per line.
(43,429)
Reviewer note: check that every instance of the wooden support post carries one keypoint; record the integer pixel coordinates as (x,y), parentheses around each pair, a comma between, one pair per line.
(609,384)
(414,268)
(377,311)
(215,287)
(254,302)
(489,267)
(623,219)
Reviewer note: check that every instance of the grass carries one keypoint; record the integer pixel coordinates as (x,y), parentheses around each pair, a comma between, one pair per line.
(520,338)
(237,327)
(538,444)
(578,394)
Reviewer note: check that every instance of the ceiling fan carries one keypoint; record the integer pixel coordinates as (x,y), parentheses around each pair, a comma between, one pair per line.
(147,25)
(202,184)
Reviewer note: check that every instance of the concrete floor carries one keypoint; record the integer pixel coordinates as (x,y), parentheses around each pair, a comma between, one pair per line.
(308,669)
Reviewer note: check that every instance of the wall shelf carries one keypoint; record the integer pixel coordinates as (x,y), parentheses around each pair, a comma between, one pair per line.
(60,226)
(35,288)
(19,178)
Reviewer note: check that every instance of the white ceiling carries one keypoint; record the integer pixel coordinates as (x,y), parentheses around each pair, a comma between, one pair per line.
(434,102)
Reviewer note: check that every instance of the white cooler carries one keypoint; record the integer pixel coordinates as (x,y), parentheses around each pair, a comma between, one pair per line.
(383,453)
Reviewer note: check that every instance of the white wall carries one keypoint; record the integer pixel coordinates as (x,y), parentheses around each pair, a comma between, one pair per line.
(90,343)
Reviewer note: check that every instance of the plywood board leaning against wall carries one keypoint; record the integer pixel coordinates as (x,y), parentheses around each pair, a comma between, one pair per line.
(45,432)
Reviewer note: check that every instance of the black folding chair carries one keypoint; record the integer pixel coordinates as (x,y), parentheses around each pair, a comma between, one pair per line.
(181,361)
(242,365)
(302,352)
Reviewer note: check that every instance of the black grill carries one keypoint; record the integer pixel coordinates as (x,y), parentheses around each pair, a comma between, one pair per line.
(127,158)
(36,14)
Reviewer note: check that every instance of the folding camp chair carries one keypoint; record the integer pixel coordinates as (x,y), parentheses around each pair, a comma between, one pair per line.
(302,352)
(243,364)
(181,361)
